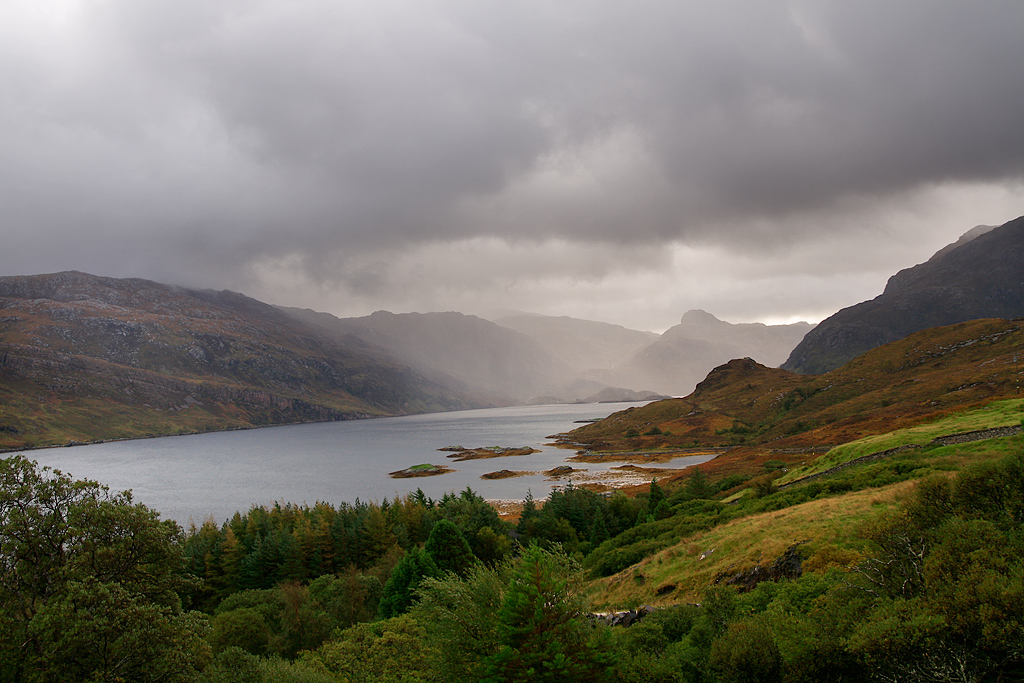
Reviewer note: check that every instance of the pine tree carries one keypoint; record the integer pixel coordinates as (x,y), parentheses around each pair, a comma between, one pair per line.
(598,529)
(230,562)
(655,497)
(528,519)
(448,548)
(543,631)
(698,486)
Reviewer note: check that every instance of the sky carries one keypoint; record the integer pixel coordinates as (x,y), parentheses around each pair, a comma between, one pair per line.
(623,162)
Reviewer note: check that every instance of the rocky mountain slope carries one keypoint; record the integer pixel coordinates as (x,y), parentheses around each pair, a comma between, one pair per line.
(767,413)
(980,276)
(85,357)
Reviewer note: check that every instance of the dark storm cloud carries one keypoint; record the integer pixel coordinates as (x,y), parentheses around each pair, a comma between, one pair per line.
(195,140)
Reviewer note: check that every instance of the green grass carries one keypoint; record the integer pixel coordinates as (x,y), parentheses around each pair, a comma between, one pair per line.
(1004,413)
(825,513)
(691,564)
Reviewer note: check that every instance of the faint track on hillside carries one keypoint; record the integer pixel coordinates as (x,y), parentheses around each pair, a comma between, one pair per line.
(948,440)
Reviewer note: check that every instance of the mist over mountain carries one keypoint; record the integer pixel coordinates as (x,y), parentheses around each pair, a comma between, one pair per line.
(687,352)
(581,344)
(669,364)
(549,359)
(501,363)
(979,276)
(116,358)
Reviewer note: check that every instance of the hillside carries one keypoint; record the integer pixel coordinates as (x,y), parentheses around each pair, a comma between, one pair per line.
(816,467)
(85,358)
(980,276)
(773,414)
(486,358)
(583,345)
(741,571)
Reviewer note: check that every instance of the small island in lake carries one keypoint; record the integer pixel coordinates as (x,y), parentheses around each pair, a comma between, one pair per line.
(562,471)
(505,474)
(461,453)
(424,470)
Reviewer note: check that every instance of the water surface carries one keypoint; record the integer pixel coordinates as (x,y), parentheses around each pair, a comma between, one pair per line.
(196,476)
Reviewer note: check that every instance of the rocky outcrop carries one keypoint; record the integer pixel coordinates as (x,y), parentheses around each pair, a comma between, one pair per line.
(623,618)
(786,566)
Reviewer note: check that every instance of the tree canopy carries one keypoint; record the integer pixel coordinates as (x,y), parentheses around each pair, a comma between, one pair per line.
(90,584)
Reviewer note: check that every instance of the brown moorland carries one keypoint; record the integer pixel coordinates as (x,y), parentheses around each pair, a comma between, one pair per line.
(85,358)
(766,414)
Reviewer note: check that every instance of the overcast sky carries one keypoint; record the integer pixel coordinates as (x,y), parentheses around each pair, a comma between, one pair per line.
(617,161)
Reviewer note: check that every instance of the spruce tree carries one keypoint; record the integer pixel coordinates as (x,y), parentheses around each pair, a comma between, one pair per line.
(526,528)
(655,496)
(598,529)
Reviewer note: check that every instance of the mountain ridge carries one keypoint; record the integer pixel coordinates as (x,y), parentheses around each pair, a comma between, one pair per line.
(684,354)
(84,357)
(981,276)
(764,413)
(143,358)
(483,357)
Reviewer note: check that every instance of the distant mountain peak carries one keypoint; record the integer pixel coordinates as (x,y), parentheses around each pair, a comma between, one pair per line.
(698,316)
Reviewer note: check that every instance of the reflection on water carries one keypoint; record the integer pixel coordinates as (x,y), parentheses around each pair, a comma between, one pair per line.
(196,476)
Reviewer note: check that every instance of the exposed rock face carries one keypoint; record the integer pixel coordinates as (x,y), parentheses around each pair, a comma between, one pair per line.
(980,276)
(70,337)
(787,566)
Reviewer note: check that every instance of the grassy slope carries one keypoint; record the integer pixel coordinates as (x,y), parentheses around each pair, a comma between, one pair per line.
(827,525)
(679,573)
(1005,413)
(934,383)
(33,417)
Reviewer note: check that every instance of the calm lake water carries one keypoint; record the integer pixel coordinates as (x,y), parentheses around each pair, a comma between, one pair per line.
(196,476)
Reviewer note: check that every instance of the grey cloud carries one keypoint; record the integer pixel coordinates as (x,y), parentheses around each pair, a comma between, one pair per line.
(193,141)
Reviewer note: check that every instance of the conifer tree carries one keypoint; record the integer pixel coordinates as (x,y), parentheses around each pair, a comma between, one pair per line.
(698,486)
(399,590)
(543,632)
(655,497)
(528,517)
(448,548)
(598,529)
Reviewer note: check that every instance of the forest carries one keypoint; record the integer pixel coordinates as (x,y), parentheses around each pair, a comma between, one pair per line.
(96,587)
